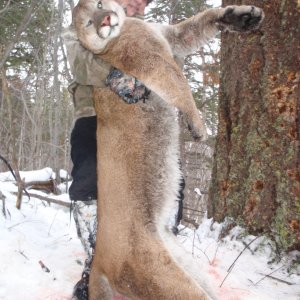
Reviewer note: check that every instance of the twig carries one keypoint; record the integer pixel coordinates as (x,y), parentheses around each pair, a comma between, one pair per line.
(49,200)
(181,229)
(2,197)
(214,257)
(269,275)
(22,253)
(232,265)
(280,280)
(9,166)
(246,246)
(217,249)
(12,172)
(52,222)
(209,261)
(3,208)
(44,267)
(26,221)
(193,243)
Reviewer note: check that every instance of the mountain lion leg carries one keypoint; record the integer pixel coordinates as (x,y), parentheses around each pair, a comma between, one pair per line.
(189,35)
(174,89)
(160,73)
(99,287)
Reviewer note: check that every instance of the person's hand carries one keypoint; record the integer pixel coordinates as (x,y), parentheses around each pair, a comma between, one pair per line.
(128,88)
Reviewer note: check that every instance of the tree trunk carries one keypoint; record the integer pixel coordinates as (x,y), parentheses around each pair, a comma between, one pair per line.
(256,173)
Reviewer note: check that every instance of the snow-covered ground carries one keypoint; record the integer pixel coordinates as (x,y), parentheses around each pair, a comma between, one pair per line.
(39,233)
(238,272)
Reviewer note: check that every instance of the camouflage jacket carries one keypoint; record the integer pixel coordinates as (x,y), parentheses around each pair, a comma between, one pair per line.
(88,71)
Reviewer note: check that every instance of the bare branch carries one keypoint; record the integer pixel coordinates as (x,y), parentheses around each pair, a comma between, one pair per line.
(269,275)
(5,8)
(49,200)
(232,265)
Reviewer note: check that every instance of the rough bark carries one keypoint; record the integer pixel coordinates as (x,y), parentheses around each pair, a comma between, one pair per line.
(256,173)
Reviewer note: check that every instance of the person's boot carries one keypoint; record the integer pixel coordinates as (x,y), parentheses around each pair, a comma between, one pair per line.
(85,216)
(80,291)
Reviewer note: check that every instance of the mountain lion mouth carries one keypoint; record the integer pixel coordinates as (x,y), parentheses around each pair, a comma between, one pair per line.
(106,30)
(108,25)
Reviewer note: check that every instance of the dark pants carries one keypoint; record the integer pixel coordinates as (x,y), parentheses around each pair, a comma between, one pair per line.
(84,158)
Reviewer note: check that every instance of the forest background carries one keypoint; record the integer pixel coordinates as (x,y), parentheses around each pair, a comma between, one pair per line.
(254,131)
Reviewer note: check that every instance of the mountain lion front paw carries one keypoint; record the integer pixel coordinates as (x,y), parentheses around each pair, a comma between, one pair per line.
(199,133)
(241,18)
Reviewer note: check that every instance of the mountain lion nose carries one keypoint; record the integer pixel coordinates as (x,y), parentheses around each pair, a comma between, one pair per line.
(105,21)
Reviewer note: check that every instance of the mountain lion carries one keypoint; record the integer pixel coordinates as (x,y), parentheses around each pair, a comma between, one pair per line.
(138,171)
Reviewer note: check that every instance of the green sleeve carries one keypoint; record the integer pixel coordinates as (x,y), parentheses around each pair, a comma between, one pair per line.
(86,67)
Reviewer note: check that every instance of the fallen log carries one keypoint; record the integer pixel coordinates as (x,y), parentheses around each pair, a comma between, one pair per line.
(48,186)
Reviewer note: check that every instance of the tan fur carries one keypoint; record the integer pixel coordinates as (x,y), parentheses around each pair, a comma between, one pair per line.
(137,154)
(137,174)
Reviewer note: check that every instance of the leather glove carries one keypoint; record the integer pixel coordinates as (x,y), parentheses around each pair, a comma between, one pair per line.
(130,89)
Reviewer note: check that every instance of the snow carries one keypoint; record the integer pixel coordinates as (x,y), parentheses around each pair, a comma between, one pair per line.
(29,176)
(39,232)
(214,3)
(247,278)
(63,174)
(197,191)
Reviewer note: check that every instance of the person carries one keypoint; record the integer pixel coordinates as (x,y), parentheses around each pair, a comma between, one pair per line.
(89,71)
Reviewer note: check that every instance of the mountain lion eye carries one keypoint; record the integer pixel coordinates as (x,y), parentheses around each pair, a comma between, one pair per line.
(99,5)
(89,23)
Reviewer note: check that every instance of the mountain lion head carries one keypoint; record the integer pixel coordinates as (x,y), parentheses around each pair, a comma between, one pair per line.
(97,22)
